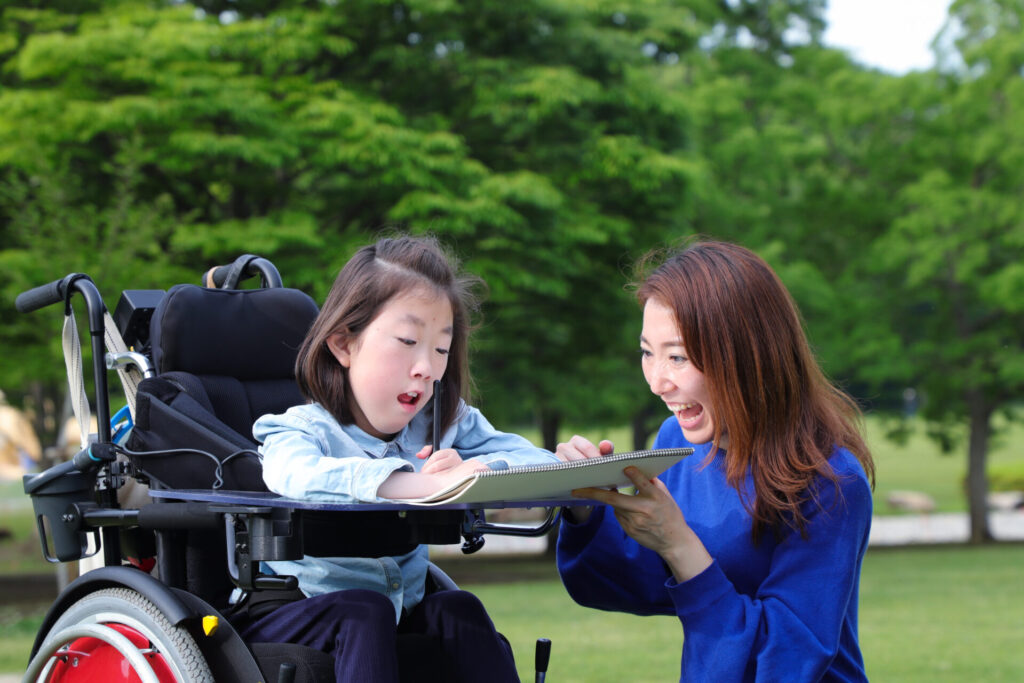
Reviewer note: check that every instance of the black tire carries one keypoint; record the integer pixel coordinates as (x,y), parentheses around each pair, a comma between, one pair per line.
(128,607)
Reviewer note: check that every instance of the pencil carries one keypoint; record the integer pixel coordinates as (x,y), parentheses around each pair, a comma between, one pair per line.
(437,417)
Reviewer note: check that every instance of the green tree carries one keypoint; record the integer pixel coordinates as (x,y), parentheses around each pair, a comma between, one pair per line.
(956,253)
(225,131)
(525,135)
(930,170)
(51,223)
(549,142)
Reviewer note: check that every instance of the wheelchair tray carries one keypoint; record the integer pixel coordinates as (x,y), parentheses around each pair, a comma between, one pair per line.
(264,498)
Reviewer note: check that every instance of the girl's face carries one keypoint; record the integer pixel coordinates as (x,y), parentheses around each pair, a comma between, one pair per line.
(393,362)
(673,377)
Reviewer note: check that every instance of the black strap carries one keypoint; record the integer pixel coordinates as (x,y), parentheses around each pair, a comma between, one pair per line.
(258,604)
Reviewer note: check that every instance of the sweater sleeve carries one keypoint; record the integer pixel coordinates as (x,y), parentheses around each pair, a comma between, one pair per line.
(792,628)
(602,567)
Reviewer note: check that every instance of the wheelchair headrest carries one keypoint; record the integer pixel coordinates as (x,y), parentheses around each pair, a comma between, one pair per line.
(249,334)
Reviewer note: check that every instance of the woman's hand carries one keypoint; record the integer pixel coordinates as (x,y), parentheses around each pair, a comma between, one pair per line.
(653,519)
(442,461)
(579,448)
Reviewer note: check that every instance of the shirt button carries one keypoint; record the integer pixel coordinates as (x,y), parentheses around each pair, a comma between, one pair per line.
(395,585)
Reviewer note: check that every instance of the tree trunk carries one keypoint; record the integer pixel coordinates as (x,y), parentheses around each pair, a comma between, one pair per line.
(642,427)
(977,478)
(549,422)
(41,402)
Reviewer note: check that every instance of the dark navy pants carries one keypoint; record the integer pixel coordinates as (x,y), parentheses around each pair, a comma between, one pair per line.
(358,628)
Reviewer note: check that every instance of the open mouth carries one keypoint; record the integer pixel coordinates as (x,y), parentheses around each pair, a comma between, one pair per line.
(687,413)
(409,399)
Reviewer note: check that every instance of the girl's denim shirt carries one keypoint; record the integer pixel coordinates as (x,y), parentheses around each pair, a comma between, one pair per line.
(308,455)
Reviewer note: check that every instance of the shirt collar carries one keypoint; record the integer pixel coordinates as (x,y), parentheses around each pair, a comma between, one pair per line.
(408,441)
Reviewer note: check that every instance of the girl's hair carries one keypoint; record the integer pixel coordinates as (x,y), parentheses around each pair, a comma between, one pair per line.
(783,417)
(377,273)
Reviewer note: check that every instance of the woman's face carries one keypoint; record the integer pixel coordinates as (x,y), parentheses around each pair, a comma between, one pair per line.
(672,377)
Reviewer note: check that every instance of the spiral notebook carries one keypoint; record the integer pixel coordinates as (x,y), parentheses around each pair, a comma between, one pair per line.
(554,481)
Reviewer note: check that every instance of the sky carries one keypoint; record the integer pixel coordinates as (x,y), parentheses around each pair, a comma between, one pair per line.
(892,35)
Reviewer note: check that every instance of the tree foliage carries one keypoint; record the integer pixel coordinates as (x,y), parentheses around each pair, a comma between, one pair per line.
(548,142)
(952,256)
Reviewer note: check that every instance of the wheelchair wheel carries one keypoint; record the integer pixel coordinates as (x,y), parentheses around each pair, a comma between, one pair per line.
(90,653)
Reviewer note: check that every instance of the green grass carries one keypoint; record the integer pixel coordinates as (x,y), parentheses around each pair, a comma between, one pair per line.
(929,615)
(19,624)
(926,614)
(20,552)
(943,614)
(588,646)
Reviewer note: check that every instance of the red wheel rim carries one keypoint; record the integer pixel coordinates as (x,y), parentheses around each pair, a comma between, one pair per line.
(91,659)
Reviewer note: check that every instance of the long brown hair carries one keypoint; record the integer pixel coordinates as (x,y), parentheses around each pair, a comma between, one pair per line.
(742,330)
(373,276)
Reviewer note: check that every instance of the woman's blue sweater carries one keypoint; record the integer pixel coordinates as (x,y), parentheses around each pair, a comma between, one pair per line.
(782,610)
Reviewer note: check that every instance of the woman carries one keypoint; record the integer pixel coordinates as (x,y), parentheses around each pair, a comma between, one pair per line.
(755,542)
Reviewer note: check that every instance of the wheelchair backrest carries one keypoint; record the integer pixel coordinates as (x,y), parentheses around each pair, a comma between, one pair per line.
(223,357)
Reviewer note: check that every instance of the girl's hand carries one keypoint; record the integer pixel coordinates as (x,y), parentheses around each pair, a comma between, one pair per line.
(579,448)
(403,485)
(653,519)
(460,470)
(442,461)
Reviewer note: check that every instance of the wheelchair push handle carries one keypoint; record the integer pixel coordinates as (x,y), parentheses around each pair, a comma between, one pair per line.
(62,290)
(245,266)
(45,295)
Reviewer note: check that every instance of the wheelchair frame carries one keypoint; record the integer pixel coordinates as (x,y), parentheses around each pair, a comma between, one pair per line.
(117,613)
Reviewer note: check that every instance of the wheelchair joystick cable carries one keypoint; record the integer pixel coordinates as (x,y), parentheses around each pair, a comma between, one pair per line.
(218,471)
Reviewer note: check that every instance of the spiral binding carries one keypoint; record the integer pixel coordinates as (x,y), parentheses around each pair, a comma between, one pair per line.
(574,464)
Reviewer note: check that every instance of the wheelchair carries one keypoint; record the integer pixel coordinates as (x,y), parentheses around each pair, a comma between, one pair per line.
(169,491)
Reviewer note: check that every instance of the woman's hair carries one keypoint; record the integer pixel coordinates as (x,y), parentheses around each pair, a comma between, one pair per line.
(377,273)
(783,417)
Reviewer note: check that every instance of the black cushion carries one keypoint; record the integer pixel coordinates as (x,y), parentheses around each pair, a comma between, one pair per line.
(247,334)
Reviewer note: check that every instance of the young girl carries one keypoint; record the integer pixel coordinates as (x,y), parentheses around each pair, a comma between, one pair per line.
(755,542)
(395,320)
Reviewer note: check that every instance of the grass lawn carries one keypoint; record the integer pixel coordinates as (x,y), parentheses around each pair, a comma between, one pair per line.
(18,624)
(943,614)
(926,614)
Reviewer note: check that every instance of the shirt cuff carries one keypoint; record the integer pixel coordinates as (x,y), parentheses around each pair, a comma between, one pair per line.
(372,473)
